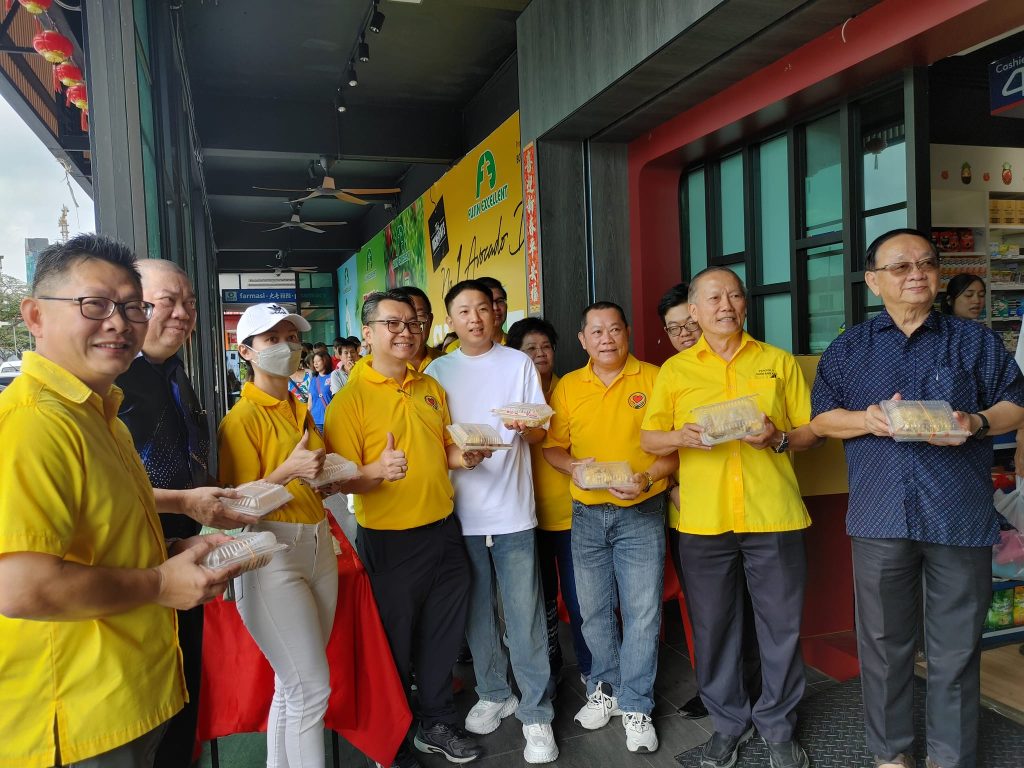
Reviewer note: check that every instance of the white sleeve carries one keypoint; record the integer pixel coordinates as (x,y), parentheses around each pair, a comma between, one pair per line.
(337,382)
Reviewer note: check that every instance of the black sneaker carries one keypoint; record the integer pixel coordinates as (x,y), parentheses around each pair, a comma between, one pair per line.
(405,758)
(449,740)
(694,709)
(786,754)
(720,751)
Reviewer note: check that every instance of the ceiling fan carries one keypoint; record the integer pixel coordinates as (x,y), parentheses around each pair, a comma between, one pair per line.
(295,222)
(280,266)
(327,188)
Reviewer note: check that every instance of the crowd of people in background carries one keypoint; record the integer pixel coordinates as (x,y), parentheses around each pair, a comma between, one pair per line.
(98,593)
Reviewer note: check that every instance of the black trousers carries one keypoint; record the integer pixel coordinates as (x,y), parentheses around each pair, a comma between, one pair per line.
(420,579)
(175,749)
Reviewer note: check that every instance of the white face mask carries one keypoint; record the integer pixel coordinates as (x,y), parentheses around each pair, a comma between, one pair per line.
(280,359)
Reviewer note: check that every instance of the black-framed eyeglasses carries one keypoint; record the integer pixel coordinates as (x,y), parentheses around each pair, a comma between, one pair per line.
(690,326)
(901,268)
(500,302)
(397,326)
(98,308)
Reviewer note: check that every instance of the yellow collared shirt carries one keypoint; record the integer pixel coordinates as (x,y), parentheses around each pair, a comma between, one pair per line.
(734,487)
(604,422)
(550,487)
(358,421)
(432,355)
(75,488)
(257,436)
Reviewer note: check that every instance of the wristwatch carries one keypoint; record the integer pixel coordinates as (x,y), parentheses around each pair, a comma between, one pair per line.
(783,446)
(981,432)
(650,481)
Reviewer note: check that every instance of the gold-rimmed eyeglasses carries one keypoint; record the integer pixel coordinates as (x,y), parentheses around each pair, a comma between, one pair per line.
(901,268)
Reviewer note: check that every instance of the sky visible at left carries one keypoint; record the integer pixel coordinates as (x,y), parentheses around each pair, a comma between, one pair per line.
(32,190)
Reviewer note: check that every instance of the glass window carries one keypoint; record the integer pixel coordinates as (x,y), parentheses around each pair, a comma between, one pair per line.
(826,312)
(731,203)
(697,221)
(322,280)
(823,192)
(870,304)
(883,150)
(777,313)
(741,270)
(773,202)
(880,224)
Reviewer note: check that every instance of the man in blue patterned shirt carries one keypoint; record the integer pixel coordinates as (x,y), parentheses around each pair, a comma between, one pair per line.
(919,513)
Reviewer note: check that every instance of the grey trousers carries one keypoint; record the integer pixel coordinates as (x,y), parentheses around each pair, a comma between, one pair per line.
(957,590)
(135,754)
(774,568)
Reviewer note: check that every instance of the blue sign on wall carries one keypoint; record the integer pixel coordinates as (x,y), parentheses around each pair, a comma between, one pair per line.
(1006,86)
(258,296)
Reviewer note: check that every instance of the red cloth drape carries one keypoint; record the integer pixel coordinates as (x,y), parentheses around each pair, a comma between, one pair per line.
(367,705)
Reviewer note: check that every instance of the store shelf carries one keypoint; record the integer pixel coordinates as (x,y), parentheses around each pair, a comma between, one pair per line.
(961,254)
(1006,227)
(1006,287)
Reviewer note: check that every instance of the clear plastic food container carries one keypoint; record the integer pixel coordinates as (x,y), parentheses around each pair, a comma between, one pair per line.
(729,420)
(254,549)
(920,420)
(337,469)
(532,414)
(596,475)
(258,498)
(477,437)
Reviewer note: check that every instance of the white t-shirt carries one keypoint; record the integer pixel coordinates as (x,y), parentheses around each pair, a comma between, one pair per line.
(497,496)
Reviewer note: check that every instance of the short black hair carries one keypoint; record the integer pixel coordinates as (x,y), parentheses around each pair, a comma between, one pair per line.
(493,282)
(349,343)
(412,290)
(957,284)
(354,340)
(337,341)
(872,253)
(466,285)
(520,328)
(602,305)
(674,296)
(691,293)
(58,258)
(318,345)
(371,302)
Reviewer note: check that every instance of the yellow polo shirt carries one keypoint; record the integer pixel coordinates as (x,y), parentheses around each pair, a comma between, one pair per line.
(604,422)
(432,355)
(74,487)
(257,436)
(734,487)
(416,413)
(550,487)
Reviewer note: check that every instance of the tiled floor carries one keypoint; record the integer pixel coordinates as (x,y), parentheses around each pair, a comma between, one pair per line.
(578,747)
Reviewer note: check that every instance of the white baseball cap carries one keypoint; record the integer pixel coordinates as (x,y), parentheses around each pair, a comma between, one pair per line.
(260,318)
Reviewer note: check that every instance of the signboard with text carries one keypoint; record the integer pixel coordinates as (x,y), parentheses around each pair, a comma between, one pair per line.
(1006,86)
(258,296)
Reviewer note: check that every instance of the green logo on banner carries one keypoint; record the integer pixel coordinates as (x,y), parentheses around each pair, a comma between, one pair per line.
(486,166)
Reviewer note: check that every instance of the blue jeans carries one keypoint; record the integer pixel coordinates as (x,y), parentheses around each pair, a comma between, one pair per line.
(509,565)
(619,557)
(556,574)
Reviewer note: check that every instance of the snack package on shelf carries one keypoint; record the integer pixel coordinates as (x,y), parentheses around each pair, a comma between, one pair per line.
(337,469)
(255,549)
(921,420)
(258,498)
(598,475)
(532,414)
(477,437)
(729,420)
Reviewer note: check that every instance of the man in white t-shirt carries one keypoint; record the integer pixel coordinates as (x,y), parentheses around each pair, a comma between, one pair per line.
(496,508)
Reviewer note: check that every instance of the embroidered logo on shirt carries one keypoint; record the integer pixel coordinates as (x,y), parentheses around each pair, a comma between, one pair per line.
(637,400)
(766,373)
(432,402)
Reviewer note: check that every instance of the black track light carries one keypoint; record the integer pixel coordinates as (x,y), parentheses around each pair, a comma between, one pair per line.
(364,50)
(339,101)
(352,79)
(376,20)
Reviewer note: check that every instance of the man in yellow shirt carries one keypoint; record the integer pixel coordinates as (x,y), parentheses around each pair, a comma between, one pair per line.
(89,658)
(740,512)
(390,420)
(618,533)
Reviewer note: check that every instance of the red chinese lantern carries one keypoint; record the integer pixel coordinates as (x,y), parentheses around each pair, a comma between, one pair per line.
(78,96)
(67,74)
(35,7)
(52,46)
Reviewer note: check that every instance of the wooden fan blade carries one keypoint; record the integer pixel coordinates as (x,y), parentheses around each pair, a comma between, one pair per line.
(279,226)
(310,196)
(310,228)
(373,191)
(346,197)
(278,189)
(327,223)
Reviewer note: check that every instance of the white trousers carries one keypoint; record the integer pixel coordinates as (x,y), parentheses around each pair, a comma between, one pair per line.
(288,608)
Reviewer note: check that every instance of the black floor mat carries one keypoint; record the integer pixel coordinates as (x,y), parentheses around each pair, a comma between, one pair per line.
(831,729)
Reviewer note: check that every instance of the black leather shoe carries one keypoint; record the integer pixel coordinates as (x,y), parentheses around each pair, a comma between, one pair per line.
(786,754)
(721,750)
(449,740)
(694,709)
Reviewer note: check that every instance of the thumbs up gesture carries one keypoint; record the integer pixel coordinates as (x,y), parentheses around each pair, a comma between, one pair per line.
(302,462)
(392,464)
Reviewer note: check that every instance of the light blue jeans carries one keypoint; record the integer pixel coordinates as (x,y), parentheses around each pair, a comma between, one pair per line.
(618,554)
(510,565)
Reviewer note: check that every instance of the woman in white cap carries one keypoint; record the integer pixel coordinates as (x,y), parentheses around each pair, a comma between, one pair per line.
(287,606)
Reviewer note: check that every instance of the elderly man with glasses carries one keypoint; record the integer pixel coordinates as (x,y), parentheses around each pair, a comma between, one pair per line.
(920,513)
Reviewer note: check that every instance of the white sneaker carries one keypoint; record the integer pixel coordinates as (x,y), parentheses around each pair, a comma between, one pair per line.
(599,709)
(540,743)
(640,733)
(486,716)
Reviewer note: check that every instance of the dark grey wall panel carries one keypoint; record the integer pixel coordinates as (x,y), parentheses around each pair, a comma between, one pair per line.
(609,202)
(492,105)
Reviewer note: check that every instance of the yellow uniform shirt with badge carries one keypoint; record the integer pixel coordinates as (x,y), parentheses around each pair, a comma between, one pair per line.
(75,488)
(733,486)
(357,424)
(550,487)
(256,437)
(604,422)
(431,356)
